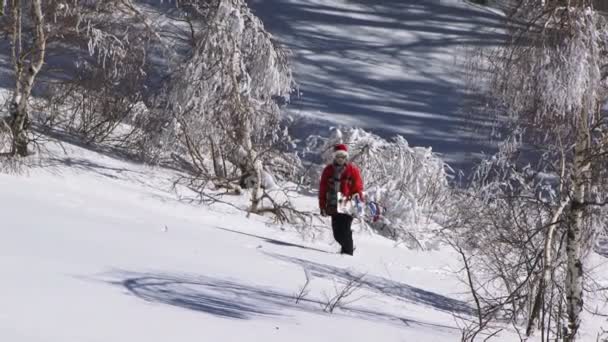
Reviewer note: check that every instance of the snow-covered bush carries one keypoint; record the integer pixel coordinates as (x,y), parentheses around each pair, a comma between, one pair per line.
(221,107)
(533,211)
(498,223)
(94,105)
(48,38)
(214,104)
(410,183)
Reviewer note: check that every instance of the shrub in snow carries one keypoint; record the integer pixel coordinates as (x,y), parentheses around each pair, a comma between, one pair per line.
(220,107)
(215,108)
(410,183)
(95,81)
(217,113)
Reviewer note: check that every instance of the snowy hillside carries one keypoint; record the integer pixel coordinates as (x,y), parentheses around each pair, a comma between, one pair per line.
(94,250)
(96,247)
(392,66)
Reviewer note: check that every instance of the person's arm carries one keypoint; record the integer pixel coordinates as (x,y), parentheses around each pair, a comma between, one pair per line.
(323,188)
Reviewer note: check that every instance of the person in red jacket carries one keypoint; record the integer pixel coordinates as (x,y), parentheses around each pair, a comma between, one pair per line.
(344,177)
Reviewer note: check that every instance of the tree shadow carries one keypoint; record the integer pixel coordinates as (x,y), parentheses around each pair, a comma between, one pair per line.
(216,297)
(89,166)
(106,149)
(52,159)
(382,286)
(274,241)
(386,66)
(128,169)
(65,137)
(234,300)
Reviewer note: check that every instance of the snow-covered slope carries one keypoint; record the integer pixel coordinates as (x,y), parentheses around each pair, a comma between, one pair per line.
(391,66)
(93,249)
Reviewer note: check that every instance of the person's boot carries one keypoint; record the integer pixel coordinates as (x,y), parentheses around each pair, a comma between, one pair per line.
(342,251)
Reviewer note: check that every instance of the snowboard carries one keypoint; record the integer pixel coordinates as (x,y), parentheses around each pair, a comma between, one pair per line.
(359,209)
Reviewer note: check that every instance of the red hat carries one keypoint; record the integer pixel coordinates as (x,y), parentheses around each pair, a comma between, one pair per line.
(341,150)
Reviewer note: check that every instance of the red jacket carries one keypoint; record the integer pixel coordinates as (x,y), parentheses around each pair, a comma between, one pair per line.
(350,183)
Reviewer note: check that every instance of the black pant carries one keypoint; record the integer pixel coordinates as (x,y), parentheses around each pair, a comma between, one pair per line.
(340,224)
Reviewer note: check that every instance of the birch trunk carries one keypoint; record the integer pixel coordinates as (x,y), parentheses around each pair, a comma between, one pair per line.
(547,268)
(25,72)
(548,254)
(574,280)
(244,134)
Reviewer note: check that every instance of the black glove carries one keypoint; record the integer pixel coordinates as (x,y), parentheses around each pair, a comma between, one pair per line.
(323,213)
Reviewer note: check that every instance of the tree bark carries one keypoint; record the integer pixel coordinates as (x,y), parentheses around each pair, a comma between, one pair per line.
(548,253)
(25,73)
(574,280)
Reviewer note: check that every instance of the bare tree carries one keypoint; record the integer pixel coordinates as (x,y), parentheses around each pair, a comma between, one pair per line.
(343,295)
(548,83)
(222,106)
(304,290)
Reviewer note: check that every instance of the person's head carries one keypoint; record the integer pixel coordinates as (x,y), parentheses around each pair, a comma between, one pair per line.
(340,154)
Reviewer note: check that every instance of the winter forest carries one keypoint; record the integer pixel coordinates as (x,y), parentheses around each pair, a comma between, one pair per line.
(160,163)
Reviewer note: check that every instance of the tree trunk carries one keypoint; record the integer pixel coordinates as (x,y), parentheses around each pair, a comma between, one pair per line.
(548,249)
(20,140)
(547,264)
(25,74)
(574,280)
(244,135)
(547,268)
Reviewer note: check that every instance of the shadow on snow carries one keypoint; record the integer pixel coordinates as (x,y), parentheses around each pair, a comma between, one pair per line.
(236,300)
(381,65)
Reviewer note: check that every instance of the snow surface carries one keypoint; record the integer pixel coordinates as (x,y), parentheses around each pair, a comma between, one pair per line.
(94,249)
(390,66)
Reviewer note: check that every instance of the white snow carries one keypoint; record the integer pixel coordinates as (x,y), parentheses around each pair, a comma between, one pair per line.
(93,249)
